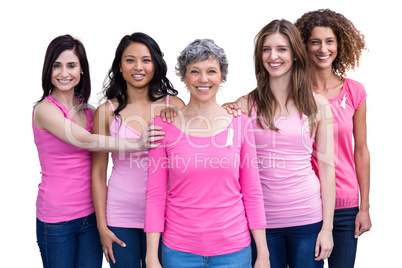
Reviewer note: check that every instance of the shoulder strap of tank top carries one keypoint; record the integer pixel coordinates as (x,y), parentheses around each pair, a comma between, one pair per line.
(59,105)
(167,100)
(111,104)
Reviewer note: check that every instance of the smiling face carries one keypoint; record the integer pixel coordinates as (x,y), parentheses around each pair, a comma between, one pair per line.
(322,47)
(137,66)
(66,71)
(203,79)
(277,55)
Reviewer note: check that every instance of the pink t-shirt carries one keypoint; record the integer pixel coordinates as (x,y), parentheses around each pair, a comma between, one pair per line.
(204,193)
(292,193)
(125,205)
(65,189)
(343,109)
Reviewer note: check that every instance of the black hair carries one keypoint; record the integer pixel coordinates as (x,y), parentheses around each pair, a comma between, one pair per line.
(116,87)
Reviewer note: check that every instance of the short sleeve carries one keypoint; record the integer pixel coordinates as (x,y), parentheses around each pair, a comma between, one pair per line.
(357,92)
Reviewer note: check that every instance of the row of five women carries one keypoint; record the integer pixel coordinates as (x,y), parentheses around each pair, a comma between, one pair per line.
(208,211)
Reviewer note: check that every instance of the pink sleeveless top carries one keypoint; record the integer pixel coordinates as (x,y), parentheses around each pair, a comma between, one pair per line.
(291,190)
(65,189)
(125,205)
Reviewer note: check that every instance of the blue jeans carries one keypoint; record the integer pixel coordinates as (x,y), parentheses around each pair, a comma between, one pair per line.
(293,246)
(178,259)
(74,243)
(345,244)
(133,255)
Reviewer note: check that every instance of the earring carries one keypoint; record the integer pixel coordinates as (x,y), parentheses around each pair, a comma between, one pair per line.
(82,72)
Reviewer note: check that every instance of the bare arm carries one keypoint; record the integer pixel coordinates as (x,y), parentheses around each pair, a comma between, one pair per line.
(362,164)
(151,258)
(47,116)
(262,248)
(99,181)
(176,102)
(326,169)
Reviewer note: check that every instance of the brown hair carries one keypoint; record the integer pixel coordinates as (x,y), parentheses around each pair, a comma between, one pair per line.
(300,91)
(350,41)
(57,46)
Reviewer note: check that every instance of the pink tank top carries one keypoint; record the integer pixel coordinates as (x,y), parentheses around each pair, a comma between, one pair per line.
(125,205)
(65,189)
(291,190)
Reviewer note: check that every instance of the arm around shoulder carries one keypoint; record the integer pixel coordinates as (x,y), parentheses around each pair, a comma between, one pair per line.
(48,117)
(243,102)
(238,107)
(169,113)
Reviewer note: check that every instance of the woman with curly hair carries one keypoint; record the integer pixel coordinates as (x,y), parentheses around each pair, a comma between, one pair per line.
(334,46)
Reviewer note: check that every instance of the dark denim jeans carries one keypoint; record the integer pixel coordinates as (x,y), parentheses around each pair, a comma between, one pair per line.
(178,259)
(133,255)
(69,244)
(345,244)
(293,246)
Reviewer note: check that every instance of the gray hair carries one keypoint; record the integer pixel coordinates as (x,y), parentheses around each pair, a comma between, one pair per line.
(201,50)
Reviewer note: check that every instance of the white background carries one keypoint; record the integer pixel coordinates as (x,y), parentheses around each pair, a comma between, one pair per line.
(27,27)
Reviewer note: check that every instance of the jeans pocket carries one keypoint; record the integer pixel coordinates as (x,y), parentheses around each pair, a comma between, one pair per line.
(56,224)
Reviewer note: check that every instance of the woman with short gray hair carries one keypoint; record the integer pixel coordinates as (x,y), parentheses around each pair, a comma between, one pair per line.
(204,191)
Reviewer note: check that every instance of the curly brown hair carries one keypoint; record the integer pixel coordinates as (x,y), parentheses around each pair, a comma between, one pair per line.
(350,41)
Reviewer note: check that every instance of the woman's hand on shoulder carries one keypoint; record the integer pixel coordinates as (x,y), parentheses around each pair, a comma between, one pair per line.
(149,136)
(237,107)
(169,113)
(233,108)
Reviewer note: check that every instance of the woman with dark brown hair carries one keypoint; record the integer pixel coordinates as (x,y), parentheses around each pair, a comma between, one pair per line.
(62,123)
(334,46)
